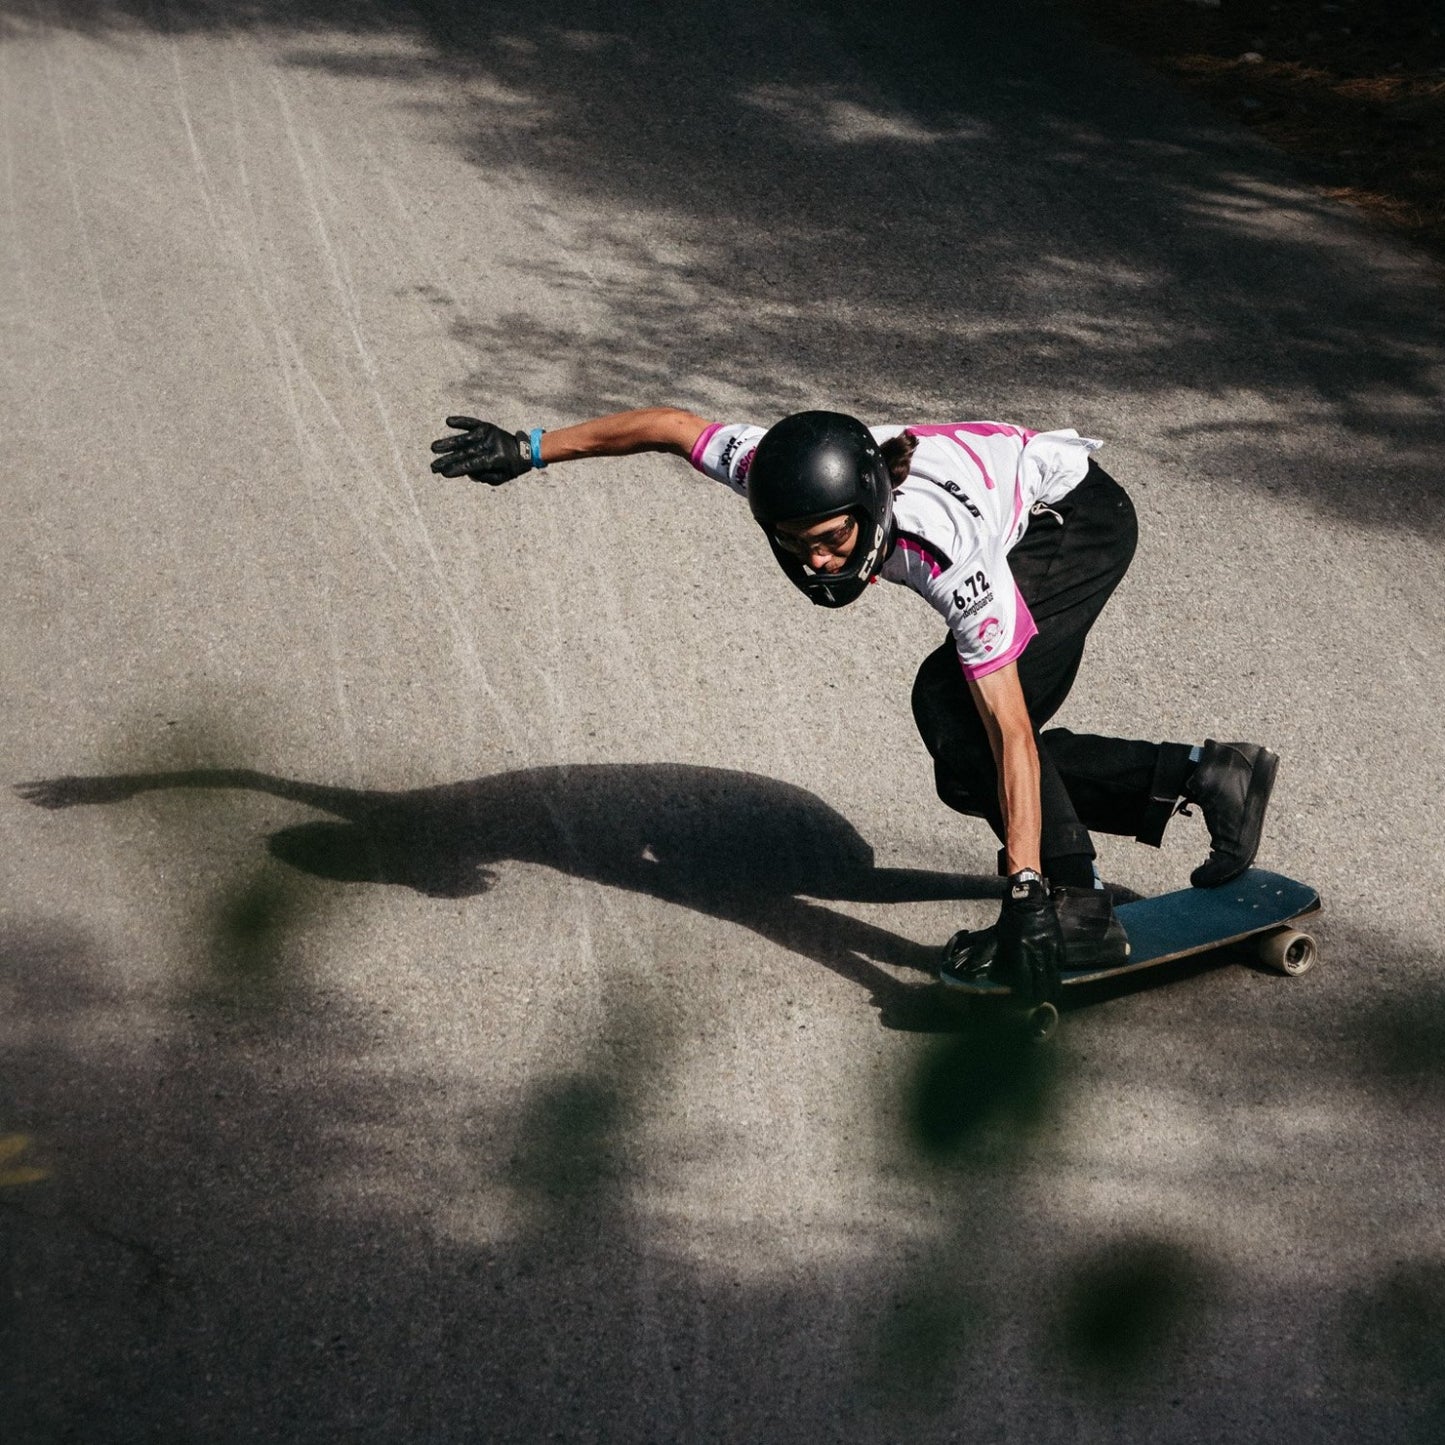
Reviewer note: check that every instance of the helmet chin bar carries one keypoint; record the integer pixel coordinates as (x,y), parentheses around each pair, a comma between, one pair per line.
(834,594)
(835,589)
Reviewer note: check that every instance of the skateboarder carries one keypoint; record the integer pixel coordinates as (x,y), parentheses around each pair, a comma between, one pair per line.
(1017,538)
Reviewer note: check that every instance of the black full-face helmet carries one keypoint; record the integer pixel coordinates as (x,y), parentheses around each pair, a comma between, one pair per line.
(818,464)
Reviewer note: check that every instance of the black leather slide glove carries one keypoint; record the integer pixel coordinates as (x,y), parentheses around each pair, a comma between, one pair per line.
(482,451)
(1030,943)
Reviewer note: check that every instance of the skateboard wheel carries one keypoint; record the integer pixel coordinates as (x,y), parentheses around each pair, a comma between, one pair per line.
(1042,1022)
(1289,951)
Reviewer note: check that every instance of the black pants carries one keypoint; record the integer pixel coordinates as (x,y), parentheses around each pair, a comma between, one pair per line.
(1067,572)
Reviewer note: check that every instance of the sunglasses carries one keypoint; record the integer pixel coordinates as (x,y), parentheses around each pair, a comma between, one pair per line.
(831,542)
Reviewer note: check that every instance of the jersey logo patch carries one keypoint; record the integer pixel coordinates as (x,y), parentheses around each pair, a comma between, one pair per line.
(954,490)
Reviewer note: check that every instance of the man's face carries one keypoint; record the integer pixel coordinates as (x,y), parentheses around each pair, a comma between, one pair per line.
(823,546)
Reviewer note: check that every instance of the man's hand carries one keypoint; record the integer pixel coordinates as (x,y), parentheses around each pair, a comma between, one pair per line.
(1023,952)
(482,451)
(1029,942)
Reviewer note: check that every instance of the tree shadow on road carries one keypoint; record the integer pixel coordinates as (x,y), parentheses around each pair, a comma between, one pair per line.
(966,207)
(317,1229)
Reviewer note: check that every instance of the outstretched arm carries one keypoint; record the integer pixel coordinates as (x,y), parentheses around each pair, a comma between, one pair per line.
(486,453)
(653,429)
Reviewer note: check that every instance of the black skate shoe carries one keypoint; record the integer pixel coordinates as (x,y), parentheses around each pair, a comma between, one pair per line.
(1093,936)
(1231,785)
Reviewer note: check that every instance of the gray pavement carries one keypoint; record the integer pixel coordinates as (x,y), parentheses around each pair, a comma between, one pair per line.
(477,990)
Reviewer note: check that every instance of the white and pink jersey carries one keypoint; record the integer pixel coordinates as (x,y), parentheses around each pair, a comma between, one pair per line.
(970,490)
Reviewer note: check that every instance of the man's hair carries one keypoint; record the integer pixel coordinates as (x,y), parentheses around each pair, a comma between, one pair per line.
(898,453)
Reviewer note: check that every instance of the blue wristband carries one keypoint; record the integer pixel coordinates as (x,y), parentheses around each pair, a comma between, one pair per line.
(534,440)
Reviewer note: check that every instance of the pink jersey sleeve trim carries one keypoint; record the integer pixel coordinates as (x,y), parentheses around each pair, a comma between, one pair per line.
(1025,630)
(1018,496)
(700,445)
(996,429)
(956,431)
(988,481)
(909,544)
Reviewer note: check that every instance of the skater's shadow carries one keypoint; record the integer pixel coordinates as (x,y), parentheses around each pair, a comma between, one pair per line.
(734,846)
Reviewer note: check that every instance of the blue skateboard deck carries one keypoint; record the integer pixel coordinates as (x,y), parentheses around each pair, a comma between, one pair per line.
(1257,904)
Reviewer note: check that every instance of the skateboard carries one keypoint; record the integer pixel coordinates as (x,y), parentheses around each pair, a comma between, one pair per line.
(1258,905)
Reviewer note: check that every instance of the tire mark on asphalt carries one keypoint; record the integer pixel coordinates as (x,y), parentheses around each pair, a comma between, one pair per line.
(283,343)
(290,363)
(465,646)
(520,730)
(464,640)
(72,185)
(313,182)
(581,953)
(128,365)
(517,728)
(630,663)
(16,269)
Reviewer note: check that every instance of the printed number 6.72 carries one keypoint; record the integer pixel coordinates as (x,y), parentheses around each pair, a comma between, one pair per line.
(977,585)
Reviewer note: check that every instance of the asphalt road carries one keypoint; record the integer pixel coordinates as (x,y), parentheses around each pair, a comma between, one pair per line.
(475,985)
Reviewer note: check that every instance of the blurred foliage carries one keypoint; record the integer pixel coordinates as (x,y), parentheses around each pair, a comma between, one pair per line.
(935,1323)
(988,1086)
(570,1139)
(245,927)
(1402,1041)
(978,1100)
(1397,1331)
(568,1134)
(975,1101)
(979,1103)
(1129,1307)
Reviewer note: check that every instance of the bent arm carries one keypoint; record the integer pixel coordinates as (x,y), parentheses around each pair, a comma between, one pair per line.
(999,698)
(623,433)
